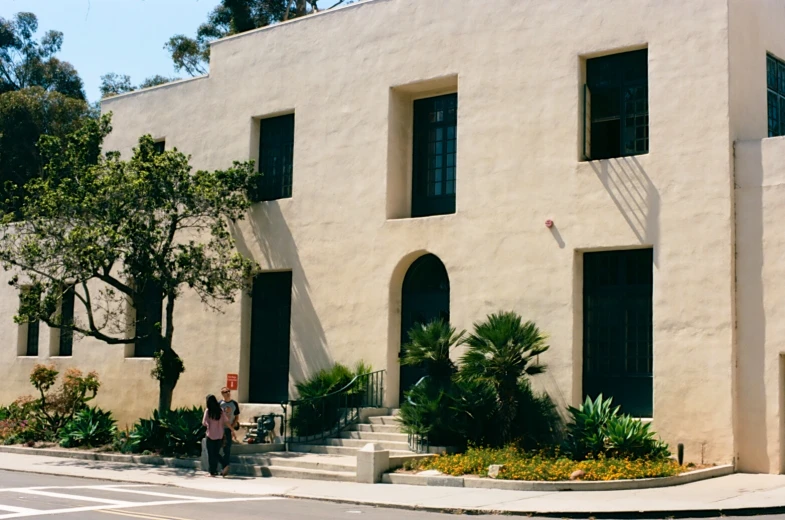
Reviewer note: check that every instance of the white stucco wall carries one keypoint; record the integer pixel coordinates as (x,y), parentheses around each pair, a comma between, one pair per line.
(519,80)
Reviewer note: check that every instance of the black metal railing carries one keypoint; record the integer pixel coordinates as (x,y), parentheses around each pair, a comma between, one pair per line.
(317,418)
(418,443)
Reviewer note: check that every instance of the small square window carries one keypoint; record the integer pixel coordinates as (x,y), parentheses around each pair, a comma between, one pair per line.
(276,158)
(616,106)
(775,90)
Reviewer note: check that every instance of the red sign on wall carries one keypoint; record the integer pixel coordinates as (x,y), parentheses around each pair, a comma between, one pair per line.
(231,381)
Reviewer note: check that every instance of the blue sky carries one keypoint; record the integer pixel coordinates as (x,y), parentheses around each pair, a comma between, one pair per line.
(122,36)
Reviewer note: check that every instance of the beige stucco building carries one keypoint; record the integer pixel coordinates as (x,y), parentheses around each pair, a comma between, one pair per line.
(639,129)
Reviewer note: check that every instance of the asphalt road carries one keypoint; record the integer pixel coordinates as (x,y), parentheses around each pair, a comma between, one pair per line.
(29,495)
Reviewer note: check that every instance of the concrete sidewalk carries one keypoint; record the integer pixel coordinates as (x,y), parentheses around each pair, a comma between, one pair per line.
(731,495)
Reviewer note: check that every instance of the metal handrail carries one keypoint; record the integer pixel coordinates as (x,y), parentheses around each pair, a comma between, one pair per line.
(418,443)
(316,418)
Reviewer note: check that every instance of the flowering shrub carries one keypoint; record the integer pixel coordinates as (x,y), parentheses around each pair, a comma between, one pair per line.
(56,407)
(519,465)
(15,423)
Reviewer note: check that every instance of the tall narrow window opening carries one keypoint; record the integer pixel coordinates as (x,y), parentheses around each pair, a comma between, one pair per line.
(434,155)
(775,89)
(67,317)
(148,314)
(276,158)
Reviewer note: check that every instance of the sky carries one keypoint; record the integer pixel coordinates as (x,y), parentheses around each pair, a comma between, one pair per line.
(122,36)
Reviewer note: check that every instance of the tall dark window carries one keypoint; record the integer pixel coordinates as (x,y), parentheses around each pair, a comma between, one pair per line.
(67,314)
(616,106)
(31,347)
(276,153)
(617,328)
(775,86)
(159,146)
(434,150)
(271,311)
(149,312)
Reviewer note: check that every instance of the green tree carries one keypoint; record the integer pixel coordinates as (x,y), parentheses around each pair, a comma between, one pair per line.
(25,62)
(502,351)
(119,230)
(233,17)
(113,84)
(26,115)
(429,346)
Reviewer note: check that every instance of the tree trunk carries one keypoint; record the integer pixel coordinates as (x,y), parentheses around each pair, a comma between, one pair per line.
(165,392)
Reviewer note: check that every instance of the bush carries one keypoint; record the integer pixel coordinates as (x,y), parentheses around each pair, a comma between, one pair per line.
(597,429)
(90,427)
(177,432)
(16,424)
(312,414)
(519,465)
(56,407)
(466,413)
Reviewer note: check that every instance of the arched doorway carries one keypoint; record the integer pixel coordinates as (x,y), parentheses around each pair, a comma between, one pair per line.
(425,297)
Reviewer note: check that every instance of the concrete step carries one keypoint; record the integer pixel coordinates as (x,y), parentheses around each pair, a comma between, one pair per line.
(375,436)
(311,474)
(301,460)
(359,443)
(378,428)
(391,420)
(339,450)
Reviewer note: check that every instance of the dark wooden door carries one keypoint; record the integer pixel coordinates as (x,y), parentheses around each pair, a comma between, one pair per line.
(270,325)
(425,297)
(617,328)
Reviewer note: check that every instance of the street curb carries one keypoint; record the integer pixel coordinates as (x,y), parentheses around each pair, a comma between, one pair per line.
(524,485)
(665,513)
(150,460)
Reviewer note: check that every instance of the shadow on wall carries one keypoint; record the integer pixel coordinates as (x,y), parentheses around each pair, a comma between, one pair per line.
(635,196)
(750,380)
(309,351)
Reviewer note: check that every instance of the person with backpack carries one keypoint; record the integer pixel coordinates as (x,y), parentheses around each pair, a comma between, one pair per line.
(232,410)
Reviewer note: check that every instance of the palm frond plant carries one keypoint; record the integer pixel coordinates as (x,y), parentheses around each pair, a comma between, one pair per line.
(502,351)
(429,346)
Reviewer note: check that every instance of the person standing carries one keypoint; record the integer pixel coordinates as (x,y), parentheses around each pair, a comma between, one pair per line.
(232,410)
(216,422)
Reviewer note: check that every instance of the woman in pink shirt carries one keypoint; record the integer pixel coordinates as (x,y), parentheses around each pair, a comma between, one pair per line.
(215,420)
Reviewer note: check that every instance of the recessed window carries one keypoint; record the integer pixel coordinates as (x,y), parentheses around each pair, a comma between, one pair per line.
(66,343)
(616,106)
(30,332)
(276,153)
(434,154)
(159,146)
(775,86)
(148,319)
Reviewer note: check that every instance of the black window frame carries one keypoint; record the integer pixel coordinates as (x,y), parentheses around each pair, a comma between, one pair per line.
(775,95)
(150,312)
(276,158)
(32,336)
(434,155)
(159,146)
(616,106)
(66,342)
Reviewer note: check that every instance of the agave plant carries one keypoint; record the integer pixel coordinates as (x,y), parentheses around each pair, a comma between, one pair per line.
(586,431)
(502,351)
(89,427)
(429,346)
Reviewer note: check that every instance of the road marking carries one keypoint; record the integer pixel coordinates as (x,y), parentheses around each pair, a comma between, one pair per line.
(42,493)
(131,505)
(17,509)
(143,515)
(153,493)
(36,488)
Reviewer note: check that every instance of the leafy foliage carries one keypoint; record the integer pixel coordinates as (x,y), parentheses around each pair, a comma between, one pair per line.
(502,350)
(25,115)
(597,429)
(25,62)
(233,17)
(313,411)
(55,408)
(89,427)
(520,465)
(113,84)
(176,432)
(116,228)
(16,425)
(429,346)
